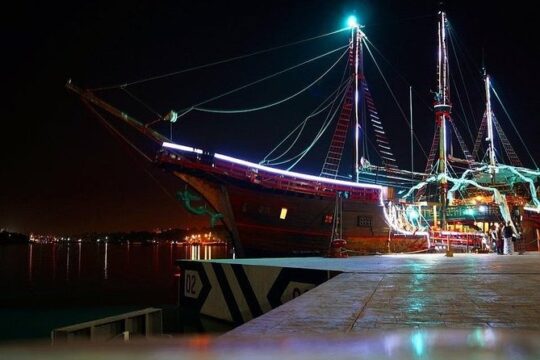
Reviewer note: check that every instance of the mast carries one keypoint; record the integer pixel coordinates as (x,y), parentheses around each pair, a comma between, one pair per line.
(412,131)
(489,120)
(350,124)
(356,42)
(442,108)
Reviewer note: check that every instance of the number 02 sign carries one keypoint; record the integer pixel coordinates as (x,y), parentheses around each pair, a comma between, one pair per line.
(192,284)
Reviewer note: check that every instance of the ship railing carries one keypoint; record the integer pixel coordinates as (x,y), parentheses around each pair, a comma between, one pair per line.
(455,238)
(268,179)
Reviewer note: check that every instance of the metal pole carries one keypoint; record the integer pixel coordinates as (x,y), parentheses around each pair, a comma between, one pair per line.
(411,116)
(356,44)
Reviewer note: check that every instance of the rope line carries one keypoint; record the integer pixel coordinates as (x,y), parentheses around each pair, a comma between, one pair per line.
(187,110)
(394,97)
(303,123)
(514,126)
(462,108)
(142,103)
(401,76)
(464,87)
(326,123)
(198,67)
(321,131)
(112,129)
(302,126)
(239,111)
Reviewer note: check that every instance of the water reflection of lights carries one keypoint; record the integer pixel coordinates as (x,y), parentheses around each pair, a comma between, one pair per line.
(418,299)
(207,253)
(194,252)
(53,249)
(439,343)
(67,263)
(30,260)
(79,260)
(106,263)
(418,342)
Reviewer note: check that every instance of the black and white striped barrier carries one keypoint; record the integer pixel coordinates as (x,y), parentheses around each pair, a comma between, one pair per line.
(238,293)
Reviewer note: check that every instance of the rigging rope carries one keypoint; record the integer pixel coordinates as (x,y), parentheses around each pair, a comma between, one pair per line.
(398,21)
(115,131)
(321,131)
(240,111)
(157,77)
(303,123)
(465,121)
(394,96)
(401,76)
(464,87)
(187,110)
(327,121)
(514,126)
(141,102)
(319,109)
(470,65)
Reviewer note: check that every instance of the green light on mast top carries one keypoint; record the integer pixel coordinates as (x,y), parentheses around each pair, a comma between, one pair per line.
(352,22)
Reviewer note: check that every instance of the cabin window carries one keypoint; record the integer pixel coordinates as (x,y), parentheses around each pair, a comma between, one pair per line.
(363,221)
(328,218)
(283,213)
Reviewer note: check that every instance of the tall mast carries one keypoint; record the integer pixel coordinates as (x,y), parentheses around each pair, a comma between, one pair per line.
(356,37)
(489,119)
(442,109)
(349,118)
(412,131)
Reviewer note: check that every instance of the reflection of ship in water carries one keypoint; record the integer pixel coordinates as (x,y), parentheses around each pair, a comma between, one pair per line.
(270,210)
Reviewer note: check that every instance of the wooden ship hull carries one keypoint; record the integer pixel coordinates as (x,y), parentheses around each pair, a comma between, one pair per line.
(286,214)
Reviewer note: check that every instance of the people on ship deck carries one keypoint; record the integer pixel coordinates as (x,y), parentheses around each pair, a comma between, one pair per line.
(508,235)
(500,241)
(493,237)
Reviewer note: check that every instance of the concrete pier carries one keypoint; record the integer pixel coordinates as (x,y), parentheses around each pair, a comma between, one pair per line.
(480,306)
(381,293)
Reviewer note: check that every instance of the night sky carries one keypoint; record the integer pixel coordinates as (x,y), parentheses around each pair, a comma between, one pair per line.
(63,172)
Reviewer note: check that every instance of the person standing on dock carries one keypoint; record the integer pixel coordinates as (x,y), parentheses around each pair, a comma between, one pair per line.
(499,237)
(493,237)
(508,233)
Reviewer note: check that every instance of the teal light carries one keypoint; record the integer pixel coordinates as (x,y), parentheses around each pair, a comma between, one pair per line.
(469,212)
(352,22)
(413,214)
(418,343)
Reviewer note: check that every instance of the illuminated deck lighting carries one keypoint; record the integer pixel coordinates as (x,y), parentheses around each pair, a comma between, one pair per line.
(274,170)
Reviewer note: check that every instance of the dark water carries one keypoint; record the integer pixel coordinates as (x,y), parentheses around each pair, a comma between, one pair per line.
(45,286)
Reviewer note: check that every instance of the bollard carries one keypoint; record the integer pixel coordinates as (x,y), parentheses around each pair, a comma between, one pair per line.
(337,248)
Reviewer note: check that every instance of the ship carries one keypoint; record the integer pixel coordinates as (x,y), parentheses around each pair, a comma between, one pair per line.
(378,208)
